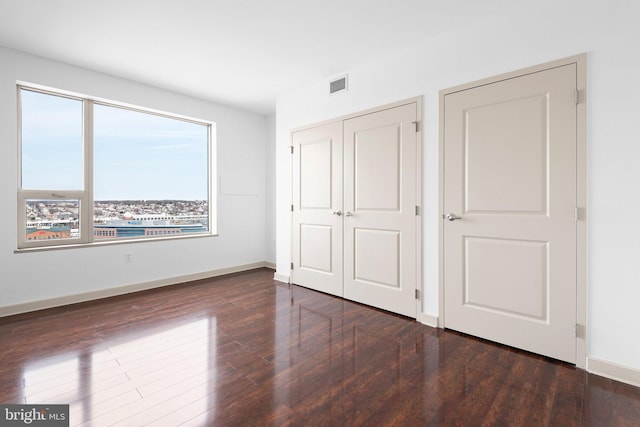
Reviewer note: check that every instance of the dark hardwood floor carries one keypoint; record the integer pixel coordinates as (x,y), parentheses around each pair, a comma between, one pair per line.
(243,350)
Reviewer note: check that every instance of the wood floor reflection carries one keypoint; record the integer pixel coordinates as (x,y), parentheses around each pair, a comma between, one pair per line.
(243,350)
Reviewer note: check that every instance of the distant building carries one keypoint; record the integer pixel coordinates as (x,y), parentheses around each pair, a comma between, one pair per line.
(105,233)
(126,228)
(48,233)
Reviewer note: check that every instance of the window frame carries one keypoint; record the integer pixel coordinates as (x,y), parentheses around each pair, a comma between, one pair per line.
(85,195)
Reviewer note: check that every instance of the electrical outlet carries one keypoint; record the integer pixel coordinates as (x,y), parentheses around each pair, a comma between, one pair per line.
(128,257)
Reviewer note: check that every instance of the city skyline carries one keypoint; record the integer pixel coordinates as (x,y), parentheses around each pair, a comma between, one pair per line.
(60,219)
(52,208)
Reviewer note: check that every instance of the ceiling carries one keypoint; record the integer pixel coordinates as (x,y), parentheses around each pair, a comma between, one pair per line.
(242,53)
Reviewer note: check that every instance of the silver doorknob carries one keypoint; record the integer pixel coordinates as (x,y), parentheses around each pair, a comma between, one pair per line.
(453,217)
(347,213)
(338,213)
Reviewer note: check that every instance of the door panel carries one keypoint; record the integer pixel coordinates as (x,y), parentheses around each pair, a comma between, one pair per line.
(507,173)
(317,195)
(510,174)
(380,239)
(316,166)
(316,247)
(377,168)
(377,257)
(493,265)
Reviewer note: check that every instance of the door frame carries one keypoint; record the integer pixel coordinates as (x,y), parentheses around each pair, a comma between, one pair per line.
(418,217)
(581,190)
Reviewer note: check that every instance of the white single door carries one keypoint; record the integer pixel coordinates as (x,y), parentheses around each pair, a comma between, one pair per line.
(510,199)
(380,168)
(317,208)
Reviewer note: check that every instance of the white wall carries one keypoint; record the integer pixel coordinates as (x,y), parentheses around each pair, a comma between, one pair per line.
(609,33)
(270,184)
(27,277)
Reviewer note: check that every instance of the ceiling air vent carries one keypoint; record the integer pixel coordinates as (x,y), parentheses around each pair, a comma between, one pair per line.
(338,85)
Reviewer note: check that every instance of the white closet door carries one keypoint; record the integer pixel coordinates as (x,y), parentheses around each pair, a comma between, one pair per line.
(317,208)
(380,175)
(510,188)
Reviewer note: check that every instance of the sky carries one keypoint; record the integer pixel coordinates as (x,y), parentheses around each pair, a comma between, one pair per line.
(137,156)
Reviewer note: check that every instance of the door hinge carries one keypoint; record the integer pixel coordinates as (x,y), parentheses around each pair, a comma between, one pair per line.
(578,330)
(417,210)
(418,294)
(578,96)
(291,208)
(291,148)
(576,214)
(292,266)
(417,125)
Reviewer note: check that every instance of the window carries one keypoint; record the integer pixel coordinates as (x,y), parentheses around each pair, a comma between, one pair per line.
(97,171)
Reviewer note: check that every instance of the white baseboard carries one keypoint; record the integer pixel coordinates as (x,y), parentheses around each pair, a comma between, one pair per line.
(614,371)
(269,264)
(121,290)
(281,277)
(428,319)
